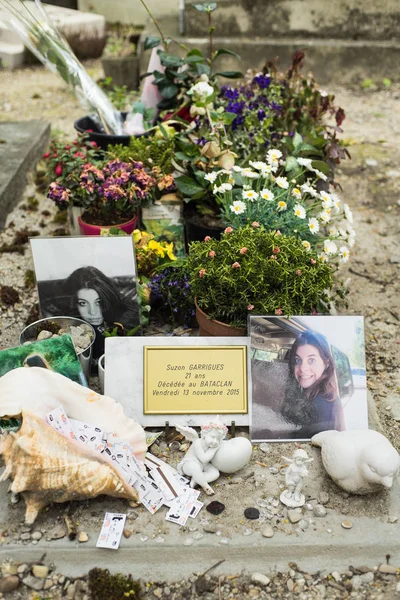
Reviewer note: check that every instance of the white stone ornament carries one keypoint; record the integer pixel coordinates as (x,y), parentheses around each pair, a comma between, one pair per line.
(295,473)
(209,454)
(359,461)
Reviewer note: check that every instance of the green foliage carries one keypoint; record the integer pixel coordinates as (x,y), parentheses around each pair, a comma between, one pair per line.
(170,290)
(150,150)
(119,95)
(119,47)
(253,270)
(104,586)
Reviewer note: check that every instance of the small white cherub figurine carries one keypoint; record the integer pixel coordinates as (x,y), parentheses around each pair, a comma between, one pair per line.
(294,476)
(197,460)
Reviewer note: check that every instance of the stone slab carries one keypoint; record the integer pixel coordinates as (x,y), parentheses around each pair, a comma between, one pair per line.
(330,60)
(128,12)
(124,377)
(340,19)
(11,55)
(84,31)
(22,145)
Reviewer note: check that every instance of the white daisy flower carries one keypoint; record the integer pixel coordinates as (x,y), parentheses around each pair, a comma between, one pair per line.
(299,211)
(330,247)
(249,195)
(210,176)
(237,168)
(325,197)
(351,240)
(307,189)
(282,206)
(273,156)
(344,254)
(259,165)
(348,213)
(320,174)
(323,257)
(333,232)
(304,162)
(216,189)
(325,215)
(306,245)
(225,187)
(296,192)
(267,194)
(313,225)
(238,207)
(247,172)
(282,182)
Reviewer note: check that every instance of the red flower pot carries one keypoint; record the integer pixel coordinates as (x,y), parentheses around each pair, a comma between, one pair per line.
(89,229)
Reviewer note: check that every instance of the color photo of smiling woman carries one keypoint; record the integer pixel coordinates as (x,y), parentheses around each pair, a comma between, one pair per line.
(302,382)
(90,278)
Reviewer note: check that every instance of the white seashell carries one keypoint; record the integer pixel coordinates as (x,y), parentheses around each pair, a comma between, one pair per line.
(46,467)
(40,390)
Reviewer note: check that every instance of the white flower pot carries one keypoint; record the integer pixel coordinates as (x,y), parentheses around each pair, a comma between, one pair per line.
(101,367)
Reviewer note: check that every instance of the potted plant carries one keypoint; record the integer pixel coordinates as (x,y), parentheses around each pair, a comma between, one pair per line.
(62,160)
(120,61)
(111,194)
(256,193)
(251,270)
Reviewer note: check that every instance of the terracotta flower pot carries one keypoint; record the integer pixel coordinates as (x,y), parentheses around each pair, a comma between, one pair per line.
(89,229)
(214,328)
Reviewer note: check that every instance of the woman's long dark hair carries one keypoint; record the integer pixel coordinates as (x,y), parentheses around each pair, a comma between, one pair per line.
(112,303)
(298,406)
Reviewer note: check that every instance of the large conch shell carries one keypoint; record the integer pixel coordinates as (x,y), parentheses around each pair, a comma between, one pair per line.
(47,467)
(39,391)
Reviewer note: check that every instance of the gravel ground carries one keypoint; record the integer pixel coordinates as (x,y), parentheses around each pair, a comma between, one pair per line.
(371,185)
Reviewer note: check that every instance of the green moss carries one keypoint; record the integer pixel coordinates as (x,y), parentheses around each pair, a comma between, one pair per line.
(150,150)
(29,279)
(60,217)
(104,586)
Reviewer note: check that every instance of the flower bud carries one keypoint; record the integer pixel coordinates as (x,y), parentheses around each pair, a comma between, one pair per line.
(211,150)
(226,160)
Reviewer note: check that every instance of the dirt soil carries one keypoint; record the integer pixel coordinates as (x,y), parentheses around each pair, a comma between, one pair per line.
(370,184)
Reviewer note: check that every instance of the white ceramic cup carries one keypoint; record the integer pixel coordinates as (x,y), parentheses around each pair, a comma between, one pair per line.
(101,367)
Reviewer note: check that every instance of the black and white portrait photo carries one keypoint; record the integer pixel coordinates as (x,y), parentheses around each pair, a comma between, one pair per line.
(90,278)
(308,375)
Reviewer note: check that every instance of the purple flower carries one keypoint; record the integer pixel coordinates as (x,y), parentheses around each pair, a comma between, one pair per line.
(230,93)
(261,115)
(263,81)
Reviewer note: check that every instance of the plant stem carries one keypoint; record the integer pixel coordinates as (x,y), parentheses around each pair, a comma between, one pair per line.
(210,31)
(155,22)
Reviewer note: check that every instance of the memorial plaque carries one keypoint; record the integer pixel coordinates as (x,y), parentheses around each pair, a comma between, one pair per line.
(136,366)
(195,380)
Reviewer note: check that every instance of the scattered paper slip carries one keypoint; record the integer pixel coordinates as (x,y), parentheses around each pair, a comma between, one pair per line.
(111,531)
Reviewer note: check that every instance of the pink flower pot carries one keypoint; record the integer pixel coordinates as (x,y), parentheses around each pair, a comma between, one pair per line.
(88,229)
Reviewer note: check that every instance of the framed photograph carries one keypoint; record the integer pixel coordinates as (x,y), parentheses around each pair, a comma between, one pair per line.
(308,375)
(91,278)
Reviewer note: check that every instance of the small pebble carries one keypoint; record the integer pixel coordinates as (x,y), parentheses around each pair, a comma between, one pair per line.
(82,537)
(356,582)
(303,524)
(265,447)
(393,519)
(274,470)
(127,532)
(260,579)
(319,510)
(252,513)
(294,516)
(40,571)
(215,507)
(367,577)
(37,535)
(268,532)
(347,524)
(8,584)
(188,541)
(309,506)
(388,569)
